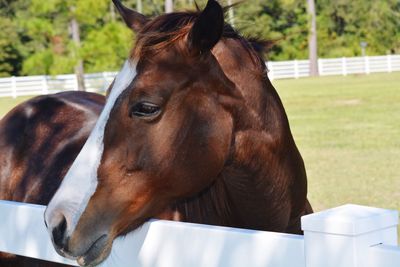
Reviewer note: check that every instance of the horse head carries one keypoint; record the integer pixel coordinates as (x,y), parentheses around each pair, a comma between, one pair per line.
(164,134)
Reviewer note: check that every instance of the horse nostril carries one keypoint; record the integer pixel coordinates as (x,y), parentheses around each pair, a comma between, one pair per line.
(58,232)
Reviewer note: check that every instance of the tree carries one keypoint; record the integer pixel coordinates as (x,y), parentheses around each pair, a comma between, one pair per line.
(76,38)
(10,56)
(35,36)
(8,52)
(139,6)
(284,22)
(344,24)
(312,38)
(169,6)
(50,48)
(231,13)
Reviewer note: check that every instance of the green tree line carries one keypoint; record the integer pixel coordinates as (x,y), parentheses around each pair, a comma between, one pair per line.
(35,35)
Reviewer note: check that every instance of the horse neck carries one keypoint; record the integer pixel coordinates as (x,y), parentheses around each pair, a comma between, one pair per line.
(252,191)
(262,186)
(248,192)
(244,70)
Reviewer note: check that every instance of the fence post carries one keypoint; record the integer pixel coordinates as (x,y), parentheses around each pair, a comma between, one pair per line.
(270,70)
(343,236)
(366,59)
(344,66)
(320,67)
(389,62)
(45,88)
(105,83)
(76,82)
(14,87)
(296,69)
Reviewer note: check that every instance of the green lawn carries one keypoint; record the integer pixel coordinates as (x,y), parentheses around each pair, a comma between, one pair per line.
(348,131)
(7,103)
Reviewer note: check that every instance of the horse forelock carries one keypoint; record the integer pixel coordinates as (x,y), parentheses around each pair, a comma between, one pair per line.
(165,30)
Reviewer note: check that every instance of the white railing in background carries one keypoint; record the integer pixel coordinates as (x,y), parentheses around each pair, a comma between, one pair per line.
(334,66)
(99,82)
(36,85)
(346,236)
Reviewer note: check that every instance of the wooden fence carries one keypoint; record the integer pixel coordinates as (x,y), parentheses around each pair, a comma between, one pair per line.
(346,236)
(99,82)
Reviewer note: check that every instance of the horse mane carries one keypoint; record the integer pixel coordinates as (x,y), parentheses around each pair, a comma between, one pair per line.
(166,29)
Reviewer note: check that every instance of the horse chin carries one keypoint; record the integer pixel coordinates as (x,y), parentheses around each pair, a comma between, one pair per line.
(97,252)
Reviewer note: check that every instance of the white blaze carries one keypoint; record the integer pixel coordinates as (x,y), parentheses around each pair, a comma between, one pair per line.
(80,182)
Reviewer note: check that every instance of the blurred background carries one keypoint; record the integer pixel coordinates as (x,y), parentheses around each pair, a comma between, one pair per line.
(52,36)
(347,125)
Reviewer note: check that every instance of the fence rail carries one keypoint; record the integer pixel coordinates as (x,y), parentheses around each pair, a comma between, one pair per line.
(99,82)
(35,85)
(346,236)
(334,66)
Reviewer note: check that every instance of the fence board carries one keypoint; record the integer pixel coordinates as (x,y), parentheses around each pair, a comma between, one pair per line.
(99,82)
(23,232)
(158,243)
(384,256)
(345,236)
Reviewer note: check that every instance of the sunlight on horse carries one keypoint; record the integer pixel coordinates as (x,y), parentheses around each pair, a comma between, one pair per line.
(197,133)
(192,131)
(39,140)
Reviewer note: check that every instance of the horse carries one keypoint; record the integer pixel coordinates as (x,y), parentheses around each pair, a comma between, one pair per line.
(193,130)
(39,140)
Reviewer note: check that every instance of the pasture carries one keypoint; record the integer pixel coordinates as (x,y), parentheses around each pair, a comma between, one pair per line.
(348,132)
(7,103)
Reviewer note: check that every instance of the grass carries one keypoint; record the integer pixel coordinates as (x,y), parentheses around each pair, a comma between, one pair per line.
(7,103)
(348,131)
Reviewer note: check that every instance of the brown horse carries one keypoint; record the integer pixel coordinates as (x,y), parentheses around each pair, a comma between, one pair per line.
(39,140)
(193,130)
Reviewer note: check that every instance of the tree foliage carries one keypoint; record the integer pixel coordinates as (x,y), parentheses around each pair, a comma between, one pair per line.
(35,36)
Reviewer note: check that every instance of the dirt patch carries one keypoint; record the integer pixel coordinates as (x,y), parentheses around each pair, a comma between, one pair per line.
(348,102)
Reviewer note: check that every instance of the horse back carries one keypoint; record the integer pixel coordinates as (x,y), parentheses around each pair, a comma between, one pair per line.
(39,140)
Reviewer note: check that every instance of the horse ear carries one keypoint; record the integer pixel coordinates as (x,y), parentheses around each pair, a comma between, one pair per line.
(207,29)
(133,19)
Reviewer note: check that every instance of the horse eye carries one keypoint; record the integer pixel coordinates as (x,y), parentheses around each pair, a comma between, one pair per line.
(144,109)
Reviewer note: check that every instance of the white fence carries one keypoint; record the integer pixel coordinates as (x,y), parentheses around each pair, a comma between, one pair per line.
(347,236)
(99,82)
(36,85)
(334,66)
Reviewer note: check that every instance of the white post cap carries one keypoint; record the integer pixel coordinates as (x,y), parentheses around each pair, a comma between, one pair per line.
(350,220)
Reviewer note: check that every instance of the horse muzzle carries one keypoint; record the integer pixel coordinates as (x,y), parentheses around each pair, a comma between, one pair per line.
(87,251)
(96,253)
